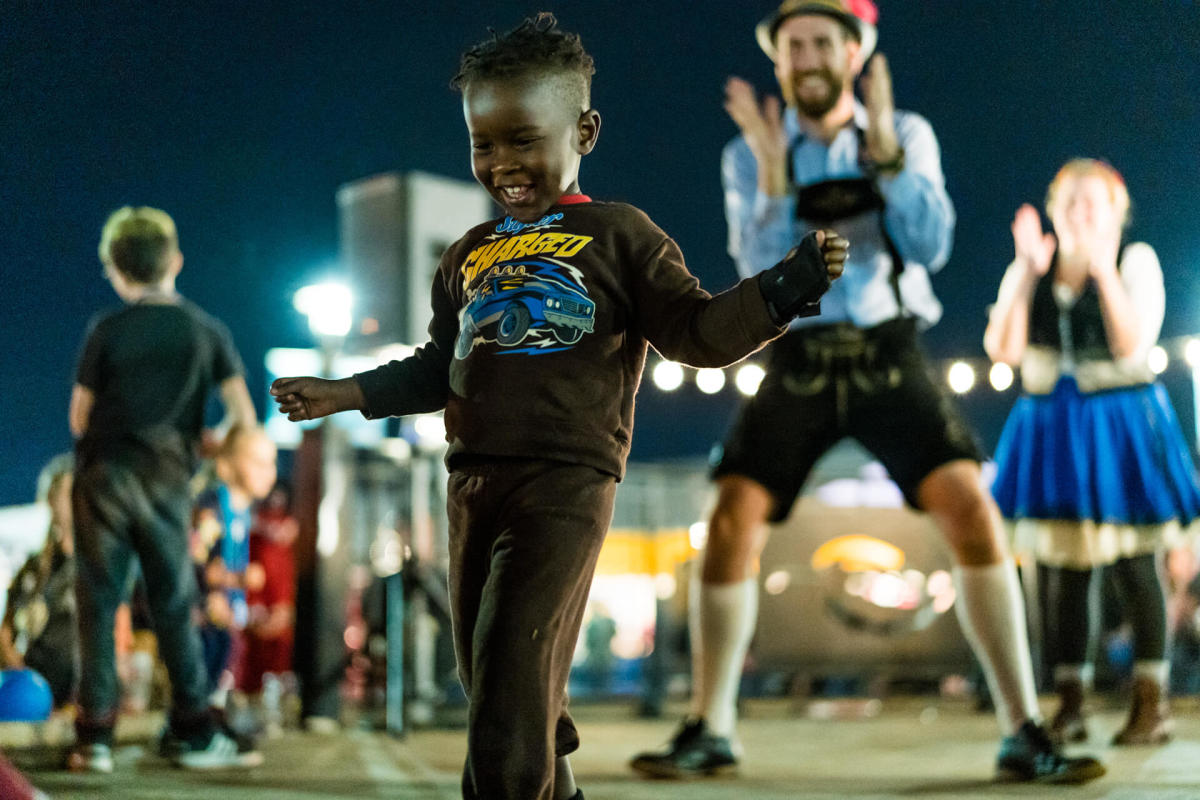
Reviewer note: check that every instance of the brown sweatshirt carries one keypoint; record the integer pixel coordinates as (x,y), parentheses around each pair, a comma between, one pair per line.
(540,330)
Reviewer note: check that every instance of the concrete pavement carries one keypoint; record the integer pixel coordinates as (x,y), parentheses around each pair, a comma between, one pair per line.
(903,748)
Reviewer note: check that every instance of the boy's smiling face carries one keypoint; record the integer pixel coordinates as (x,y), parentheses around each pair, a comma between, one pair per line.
(527,140)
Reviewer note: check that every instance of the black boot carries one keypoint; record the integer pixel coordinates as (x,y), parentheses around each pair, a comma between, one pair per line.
(1029,755)
(694,752)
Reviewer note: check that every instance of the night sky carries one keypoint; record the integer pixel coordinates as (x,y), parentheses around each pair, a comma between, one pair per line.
(242,119)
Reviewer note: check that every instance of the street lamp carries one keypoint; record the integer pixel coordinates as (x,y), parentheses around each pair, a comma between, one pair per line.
(323,583)
(328,307)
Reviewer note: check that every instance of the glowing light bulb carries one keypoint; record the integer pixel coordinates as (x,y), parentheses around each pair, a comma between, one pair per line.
(748,377)
(710,381)
(668,375)
(961,377)
(1158,360)
(1000,376)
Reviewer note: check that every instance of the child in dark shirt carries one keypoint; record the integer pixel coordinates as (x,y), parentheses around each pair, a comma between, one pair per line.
(540,330)
(137,409)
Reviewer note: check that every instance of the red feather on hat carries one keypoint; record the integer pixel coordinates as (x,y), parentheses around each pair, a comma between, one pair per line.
(864,10)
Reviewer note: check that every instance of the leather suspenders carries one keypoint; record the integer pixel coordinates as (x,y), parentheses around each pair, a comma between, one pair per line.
(830,201)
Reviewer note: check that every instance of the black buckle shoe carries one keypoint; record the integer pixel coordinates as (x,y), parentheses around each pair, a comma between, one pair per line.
(694,752)
(1029,755)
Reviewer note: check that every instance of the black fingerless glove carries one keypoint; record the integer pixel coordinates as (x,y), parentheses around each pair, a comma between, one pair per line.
(793,287)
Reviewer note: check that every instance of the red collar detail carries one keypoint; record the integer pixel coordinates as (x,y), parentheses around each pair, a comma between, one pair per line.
(573,199)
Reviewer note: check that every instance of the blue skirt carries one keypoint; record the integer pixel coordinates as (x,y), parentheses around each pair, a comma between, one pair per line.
(1115,459)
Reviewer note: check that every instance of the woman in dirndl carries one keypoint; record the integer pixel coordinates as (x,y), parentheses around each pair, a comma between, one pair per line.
(1093,469)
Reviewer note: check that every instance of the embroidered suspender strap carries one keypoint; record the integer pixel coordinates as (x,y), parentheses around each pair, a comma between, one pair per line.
(869,168)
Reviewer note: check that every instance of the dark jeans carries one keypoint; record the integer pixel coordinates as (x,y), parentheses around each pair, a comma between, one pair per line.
(123,512)
(524,539)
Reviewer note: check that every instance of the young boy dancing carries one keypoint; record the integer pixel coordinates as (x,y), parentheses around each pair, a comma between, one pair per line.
(539,334)
(137,410)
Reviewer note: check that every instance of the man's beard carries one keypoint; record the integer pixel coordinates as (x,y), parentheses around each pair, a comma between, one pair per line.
(819,107)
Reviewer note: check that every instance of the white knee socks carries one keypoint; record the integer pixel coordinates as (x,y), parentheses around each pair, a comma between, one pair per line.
(991,613)
(721,620)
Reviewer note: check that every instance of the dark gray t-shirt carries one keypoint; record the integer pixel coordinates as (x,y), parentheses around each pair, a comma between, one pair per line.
(152,367)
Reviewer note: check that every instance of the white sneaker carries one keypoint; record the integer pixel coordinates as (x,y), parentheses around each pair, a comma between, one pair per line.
(222,752)
(91,758)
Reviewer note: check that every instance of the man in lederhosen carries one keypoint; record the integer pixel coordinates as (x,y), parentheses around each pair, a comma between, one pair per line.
(855,370)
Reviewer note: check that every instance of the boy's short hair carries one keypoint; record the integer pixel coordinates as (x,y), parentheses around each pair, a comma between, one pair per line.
(535,48)
(139,243)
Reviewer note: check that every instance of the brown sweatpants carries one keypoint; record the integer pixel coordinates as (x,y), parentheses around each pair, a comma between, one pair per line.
(524,539)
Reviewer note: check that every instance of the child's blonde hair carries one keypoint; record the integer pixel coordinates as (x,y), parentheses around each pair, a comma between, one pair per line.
(235,436)
(139,243)
(1085,167)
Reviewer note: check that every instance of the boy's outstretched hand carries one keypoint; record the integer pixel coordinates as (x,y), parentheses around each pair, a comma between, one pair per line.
(794,286)
(310,398)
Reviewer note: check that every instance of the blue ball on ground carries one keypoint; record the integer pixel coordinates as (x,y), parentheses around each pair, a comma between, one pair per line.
(24,696)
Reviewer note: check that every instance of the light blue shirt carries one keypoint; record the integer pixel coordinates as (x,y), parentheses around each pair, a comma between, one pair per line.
(919,217)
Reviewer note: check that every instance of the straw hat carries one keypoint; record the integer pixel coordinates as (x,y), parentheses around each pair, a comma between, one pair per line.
(858,16)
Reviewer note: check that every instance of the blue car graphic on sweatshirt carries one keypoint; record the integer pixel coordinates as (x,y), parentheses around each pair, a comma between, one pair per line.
(538,309)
